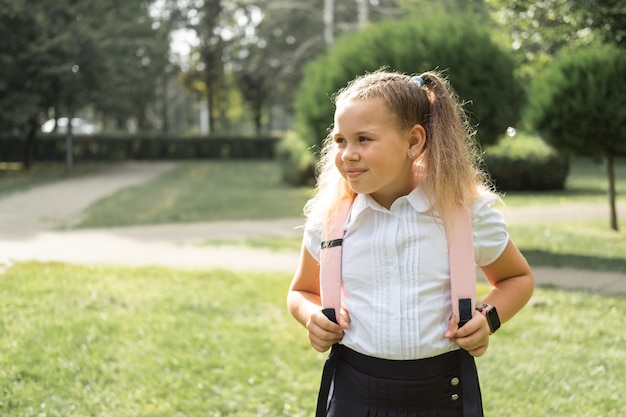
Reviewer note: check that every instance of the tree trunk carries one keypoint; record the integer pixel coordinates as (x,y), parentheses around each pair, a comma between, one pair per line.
(69,145)
(33,126)
(165,124)
(258,127)
(363,12)
(329,22)
(610,166)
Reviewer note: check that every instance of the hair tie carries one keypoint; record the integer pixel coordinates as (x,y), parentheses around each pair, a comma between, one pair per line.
(419,80)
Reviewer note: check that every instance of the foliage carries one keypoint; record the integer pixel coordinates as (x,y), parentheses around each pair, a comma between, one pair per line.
(537,29)
(297,163)
(480,71)
(525,162)
(475,7)
(63,55)
(579,104)
(132,342)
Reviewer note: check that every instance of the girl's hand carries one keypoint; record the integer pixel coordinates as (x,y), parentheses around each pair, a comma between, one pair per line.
(473,336)
(323,333)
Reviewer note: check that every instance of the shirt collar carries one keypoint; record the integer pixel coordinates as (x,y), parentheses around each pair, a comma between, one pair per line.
(418,199)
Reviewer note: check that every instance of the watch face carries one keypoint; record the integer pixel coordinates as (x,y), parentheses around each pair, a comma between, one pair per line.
(492,318)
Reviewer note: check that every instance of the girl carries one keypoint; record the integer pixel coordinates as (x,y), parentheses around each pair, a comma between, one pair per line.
(402,150)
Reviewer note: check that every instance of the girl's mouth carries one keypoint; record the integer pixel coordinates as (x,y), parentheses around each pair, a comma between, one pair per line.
(354,173)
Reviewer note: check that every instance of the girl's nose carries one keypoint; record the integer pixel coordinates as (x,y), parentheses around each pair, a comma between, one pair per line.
(350,153)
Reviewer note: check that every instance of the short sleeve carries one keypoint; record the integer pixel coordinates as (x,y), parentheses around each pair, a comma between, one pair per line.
(312,240)
(489,230)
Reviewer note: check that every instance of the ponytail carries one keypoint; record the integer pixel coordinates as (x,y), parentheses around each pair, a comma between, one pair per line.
(451,153)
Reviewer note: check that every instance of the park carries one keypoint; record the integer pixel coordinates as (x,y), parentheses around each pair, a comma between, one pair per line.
(144,266)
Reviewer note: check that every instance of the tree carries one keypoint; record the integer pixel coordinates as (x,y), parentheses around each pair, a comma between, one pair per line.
(274,39)
(480,71)
(50,59)
(134,50)
(62,55)
(607,18)
(579,104)
(537,29)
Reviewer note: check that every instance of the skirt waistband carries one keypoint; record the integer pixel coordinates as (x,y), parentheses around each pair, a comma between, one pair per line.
(402,369)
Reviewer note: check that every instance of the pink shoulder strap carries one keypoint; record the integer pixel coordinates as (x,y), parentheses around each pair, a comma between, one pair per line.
(461,257)
(458,225)
(330,259)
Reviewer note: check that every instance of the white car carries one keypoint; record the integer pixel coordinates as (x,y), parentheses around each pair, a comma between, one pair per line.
(79,126)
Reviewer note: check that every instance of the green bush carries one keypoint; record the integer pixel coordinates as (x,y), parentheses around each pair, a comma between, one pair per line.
(526,162)
(480,71)
(578,102)
(296,161)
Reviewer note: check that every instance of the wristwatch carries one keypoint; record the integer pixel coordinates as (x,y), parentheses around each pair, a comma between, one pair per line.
(491,315)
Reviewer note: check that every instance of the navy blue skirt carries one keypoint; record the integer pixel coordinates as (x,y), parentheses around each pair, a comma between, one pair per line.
(371,387)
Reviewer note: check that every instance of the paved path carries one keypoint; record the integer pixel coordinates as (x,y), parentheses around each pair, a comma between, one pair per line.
(33,226)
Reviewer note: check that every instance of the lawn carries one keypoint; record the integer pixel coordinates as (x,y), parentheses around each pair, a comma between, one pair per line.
(231,190)
(14,178)
(203,191)
(105,341)
(215,190)
(212,191)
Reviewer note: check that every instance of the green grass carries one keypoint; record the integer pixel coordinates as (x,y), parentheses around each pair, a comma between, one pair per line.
(209,190)
(273,243)
(104,341)
(213,191)
(14,178)
(202,191)
(584,245)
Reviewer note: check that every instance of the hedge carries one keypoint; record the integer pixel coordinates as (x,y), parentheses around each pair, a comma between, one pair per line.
(107,148)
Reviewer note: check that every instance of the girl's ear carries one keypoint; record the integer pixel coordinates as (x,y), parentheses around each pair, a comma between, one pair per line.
(417,141)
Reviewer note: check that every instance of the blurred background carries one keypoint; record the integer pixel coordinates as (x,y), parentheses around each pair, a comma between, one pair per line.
(217,79)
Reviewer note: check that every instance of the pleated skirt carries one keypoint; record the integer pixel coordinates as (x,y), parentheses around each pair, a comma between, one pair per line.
(371,387)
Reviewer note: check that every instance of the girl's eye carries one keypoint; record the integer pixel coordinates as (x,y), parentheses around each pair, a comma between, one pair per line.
(363,139)
(339,140)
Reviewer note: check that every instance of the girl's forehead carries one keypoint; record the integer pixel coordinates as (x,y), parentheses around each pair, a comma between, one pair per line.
(370,109)
(355,106)
(361,115)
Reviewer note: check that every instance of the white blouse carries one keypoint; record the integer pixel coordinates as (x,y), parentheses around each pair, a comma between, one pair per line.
(396,281)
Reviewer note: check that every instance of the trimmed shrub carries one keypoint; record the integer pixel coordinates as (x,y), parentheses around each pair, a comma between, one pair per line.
(526,162)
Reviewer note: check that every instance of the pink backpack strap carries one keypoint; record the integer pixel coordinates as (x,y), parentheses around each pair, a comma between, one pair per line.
(330,259)
(458,225)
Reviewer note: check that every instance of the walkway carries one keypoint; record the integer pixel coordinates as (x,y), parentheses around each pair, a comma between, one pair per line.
(33,226)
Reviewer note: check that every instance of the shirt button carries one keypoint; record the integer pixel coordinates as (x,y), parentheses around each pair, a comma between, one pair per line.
(454,397)
(454,381)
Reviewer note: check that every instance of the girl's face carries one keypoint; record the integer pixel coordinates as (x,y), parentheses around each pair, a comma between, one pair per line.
(372,153)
